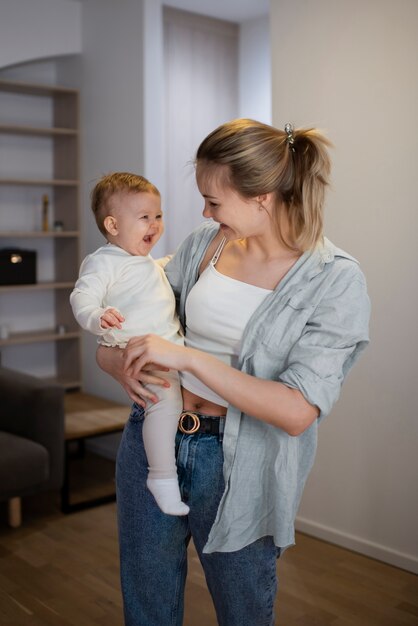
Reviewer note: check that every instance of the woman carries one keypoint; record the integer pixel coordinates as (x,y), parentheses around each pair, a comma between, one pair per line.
(274,317)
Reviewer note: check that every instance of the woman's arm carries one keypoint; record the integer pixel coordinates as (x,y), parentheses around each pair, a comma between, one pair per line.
(269,401)
(112,362)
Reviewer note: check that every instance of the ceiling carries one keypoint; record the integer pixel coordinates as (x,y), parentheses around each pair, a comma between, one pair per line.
(231,10)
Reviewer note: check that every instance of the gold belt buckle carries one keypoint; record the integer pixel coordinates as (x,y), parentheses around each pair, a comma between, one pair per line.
(195,426)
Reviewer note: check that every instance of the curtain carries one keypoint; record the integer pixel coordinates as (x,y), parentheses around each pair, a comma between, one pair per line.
(201,92)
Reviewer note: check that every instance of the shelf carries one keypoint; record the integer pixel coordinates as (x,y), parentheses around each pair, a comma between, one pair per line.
(38,286)
(38,337)
(35,131)
(38,183)
(38,234)
(31,89)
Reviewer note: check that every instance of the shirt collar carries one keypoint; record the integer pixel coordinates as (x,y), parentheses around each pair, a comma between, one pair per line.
(328,251)
(310,264)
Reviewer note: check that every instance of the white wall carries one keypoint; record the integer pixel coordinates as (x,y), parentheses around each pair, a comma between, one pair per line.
(35,29)
(350,67)
(153,102)
(255,69)
(112,126)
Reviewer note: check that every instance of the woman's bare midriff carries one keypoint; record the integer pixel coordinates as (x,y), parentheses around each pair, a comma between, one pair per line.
(192,402)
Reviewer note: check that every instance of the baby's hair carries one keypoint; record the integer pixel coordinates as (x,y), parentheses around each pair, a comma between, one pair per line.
(111,184)
(292,164)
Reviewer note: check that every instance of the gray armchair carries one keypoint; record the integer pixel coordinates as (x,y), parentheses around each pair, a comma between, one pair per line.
(31,438)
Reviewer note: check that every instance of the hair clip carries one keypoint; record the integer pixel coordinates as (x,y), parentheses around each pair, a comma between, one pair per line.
(288,129)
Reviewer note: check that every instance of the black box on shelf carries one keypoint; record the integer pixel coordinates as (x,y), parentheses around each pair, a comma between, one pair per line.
(17,266)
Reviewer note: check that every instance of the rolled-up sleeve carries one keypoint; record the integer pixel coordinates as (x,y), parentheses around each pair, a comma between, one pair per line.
(333,339)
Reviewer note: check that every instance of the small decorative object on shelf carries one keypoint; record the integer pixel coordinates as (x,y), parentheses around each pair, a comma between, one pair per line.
(17,266)
(61,329)
(58,226)
(45,207)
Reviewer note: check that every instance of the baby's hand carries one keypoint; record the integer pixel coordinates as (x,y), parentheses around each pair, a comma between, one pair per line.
(111,318)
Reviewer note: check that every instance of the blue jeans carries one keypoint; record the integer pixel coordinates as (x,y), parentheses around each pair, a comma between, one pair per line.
(153,546)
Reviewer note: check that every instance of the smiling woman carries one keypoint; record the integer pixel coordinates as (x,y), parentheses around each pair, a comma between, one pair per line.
(274,317)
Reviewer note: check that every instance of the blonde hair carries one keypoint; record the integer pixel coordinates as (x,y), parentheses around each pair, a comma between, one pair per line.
(112,184)
(261,159)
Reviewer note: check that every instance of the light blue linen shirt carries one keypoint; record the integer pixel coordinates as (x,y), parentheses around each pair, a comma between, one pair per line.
(306,334)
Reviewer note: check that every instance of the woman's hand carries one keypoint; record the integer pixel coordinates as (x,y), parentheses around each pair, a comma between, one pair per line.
(111,361)
(140,352)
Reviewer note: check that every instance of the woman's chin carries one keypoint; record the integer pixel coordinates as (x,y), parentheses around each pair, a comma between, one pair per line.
(225,229)
(228,233)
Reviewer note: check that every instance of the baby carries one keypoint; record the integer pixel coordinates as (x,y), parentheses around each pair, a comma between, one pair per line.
(122,292)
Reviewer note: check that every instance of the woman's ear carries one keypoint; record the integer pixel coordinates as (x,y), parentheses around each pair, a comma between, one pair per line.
(265,201)
(111,225)
(263,197)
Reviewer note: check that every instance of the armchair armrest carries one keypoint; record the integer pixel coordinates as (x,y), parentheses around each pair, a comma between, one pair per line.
(33,408)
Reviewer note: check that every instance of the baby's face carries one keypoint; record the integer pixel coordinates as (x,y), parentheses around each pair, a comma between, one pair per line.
(139,221)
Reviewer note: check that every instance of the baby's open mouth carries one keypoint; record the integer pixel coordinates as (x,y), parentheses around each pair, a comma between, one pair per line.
(148,238)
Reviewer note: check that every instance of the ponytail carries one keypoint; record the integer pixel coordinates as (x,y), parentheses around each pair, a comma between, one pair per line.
(304,200)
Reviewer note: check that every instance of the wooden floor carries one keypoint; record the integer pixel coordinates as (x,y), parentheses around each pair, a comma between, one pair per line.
(59,570)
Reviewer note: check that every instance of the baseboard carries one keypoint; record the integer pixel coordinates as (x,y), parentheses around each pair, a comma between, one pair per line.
(357,544)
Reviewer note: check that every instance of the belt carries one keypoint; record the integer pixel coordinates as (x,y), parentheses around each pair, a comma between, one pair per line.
(191,423)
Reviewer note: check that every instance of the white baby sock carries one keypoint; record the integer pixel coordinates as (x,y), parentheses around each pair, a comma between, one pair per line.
(167,495)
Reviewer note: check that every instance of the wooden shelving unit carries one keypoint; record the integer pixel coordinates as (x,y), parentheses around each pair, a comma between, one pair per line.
(63,190)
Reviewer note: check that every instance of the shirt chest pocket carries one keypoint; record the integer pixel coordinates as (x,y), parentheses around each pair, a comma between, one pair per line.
(287,325)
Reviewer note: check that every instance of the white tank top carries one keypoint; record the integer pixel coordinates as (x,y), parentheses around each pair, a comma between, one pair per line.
(217,310)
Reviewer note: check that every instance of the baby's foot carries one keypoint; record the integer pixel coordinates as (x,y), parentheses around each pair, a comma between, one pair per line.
(167,495)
